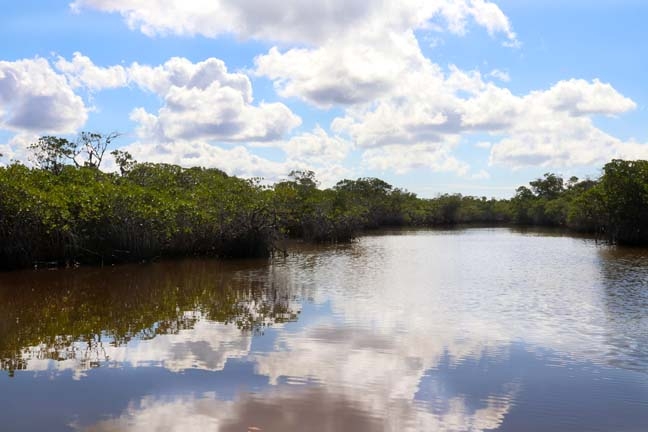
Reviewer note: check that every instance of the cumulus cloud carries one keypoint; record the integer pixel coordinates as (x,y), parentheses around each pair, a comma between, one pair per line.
(291,20)
(237,160)
(17,147)
(555,128)
(201,100)
(351,54)
(204,106)
(180,72)
(319,152)
(316,147)
(34,98)
(411,114)
(427,114)
(562,142)
(579,97)
(401,159)
(296,21)
(205,101)
(240,160)
(82,72)
(353,70)
(218,113)
(402,110)
(491,17)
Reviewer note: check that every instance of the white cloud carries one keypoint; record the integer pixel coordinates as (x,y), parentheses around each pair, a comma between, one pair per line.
(360,54)
(219,113)
(492,109)
(580,97)
(543,128)
(500,75)
(204,104)
(17,148)
(351,70)
(316,147)
(404,158)
(491,17)
(400,108)
(281,20)
(237,160)
(562,142)
(205,101)
(421,109)
(82,72)
(297,21)
(319,152)
(554,128)
(315,151)
(359,66)
(180,72)
(200,100)
(34,98)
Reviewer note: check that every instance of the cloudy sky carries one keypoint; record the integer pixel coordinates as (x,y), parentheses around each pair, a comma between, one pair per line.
(469,96)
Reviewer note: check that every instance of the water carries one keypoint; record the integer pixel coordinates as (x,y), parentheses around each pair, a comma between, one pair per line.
(465,330)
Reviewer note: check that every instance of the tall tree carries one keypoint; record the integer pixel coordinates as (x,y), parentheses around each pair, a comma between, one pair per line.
(52,153)
(93,146)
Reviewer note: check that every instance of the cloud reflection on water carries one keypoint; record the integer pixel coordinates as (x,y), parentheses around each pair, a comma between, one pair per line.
(390,323)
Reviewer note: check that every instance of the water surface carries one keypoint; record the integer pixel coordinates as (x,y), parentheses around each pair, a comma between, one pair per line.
(463,330)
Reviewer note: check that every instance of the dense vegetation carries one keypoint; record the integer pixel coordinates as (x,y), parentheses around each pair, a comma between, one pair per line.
(65,210)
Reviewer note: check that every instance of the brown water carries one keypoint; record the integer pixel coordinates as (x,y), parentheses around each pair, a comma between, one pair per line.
(467,330)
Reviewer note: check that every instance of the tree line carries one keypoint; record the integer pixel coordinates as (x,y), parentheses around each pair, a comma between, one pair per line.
(64,210)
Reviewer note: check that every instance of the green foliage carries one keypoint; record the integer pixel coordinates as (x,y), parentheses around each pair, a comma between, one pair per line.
(625,188)
(549,187)
(52,153)
(124,161)
(615,207)
(65,212)
(587,211)
(79,214)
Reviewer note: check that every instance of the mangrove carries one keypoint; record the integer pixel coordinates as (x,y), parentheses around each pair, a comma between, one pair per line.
(65,211)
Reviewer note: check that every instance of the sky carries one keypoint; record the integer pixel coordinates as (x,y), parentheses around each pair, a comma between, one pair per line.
(434,96)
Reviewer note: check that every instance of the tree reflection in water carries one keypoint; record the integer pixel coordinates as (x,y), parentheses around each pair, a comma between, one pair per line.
(76,315)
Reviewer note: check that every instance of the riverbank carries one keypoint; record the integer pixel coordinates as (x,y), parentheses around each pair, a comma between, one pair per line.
(83,216)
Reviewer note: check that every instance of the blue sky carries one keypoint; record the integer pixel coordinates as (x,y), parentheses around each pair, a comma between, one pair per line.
(468,96)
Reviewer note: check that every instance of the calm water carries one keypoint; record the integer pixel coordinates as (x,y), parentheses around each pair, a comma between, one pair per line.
(469,330)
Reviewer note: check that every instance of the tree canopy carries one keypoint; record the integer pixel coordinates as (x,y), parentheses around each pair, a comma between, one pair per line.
(65,210)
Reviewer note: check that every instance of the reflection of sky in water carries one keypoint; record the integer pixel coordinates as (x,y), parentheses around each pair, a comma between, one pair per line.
(477,330)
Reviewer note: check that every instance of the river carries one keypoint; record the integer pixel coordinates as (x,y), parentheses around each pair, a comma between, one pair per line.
(484,329)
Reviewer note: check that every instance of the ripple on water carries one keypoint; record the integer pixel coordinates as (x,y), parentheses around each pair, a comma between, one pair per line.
(457,330)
